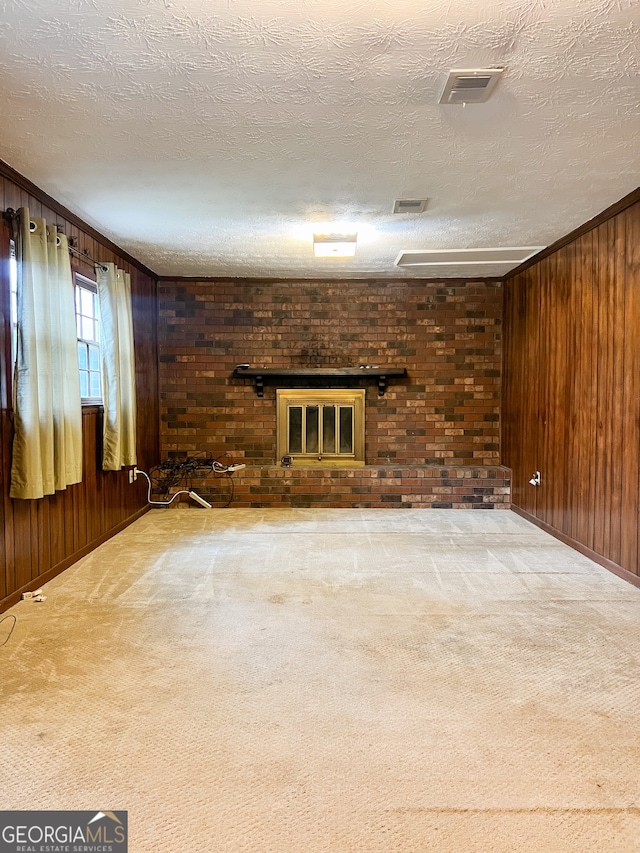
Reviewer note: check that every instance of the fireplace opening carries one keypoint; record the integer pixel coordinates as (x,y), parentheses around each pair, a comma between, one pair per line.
(321,427)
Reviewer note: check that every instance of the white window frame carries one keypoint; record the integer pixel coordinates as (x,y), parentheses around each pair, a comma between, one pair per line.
(81,282)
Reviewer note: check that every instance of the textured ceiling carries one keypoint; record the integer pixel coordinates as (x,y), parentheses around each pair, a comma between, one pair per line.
(206,137)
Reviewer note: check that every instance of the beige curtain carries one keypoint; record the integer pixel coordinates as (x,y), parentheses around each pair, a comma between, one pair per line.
(47,444)
(118,368)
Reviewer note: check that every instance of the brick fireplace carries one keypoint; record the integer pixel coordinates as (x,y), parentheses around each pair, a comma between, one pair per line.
(431,440)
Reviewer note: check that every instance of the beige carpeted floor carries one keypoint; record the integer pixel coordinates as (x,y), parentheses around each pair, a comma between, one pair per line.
(297,681)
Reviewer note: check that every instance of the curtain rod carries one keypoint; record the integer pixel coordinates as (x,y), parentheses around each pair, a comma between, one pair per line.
(12,215)
(86,256)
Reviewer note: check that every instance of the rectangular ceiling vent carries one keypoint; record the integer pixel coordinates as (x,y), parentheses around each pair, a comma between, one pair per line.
(455,257)
(470,86)
(410,205)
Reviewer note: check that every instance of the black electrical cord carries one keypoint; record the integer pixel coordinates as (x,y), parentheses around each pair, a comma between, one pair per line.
(197,471)
(10,616)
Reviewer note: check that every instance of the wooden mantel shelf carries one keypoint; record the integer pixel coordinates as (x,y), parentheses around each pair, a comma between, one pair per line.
(262,374)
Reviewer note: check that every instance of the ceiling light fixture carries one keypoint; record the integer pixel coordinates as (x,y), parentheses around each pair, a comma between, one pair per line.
(334,245)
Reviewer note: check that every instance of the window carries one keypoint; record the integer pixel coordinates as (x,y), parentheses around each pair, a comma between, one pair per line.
(321,427)
(88,328)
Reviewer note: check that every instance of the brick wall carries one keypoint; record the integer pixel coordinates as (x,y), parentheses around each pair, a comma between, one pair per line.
(486,487)
(447,335)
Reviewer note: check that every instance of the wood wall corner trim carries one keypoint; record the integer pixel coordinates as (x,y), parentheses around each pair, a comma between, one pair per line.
(609,213)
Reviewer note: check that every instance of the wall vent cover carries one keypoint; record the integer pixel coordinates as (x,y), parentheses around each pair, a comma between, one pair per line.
(470,86)
(410,205)
(447,257)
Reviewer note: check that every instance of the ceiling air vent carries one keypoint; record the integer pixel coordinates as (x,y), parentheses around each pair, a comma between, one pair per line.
(410,205)
(450,257)
(470,86)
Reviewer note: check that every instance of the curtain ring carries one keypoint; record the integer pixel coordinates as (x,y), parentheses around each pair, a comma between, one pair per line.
(58,241)
(32,226)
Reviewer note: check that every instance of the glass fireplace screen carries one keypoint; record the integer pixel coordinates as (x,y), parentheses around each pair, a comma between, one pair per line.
(321,427)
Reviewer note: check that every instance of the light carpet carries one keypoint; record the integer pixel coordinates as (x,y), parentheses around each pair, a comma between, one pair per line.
(349,681)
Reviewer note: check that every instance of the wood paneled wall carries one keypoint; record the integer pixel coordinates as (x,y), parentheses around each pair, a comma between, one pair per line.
(571,392)
(41,538)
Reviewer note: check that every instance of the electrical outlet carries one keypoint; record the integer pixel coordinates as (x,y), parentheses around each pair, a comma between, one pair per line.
(133,475)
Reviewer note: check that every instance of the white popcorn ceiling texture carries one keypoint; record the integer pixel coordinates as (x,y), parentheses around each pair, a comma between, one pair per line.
(206,137)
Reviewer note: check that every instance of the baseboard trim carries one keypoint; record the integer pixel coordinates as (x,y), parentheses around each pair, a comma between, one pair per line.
(51,573)
(625,574)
